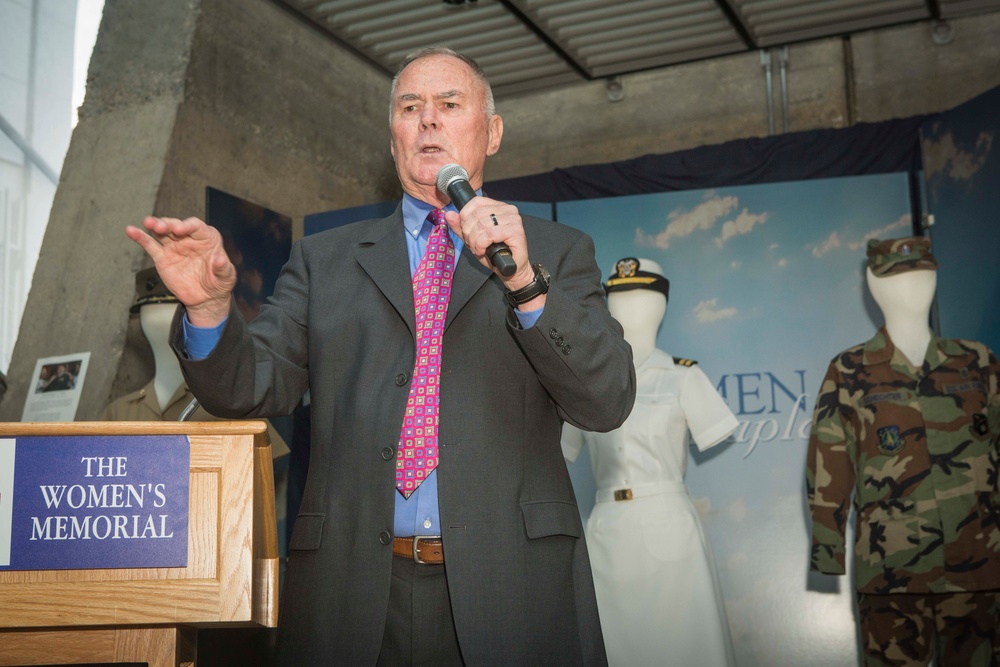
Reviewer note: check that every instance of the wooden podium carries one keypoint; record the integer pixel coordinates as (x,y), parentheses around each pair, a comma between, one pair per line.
(151,615)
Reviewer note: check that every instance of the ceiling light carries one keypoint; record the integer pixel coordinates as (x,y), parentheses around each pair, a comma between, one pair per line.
(942,33)
(615,88)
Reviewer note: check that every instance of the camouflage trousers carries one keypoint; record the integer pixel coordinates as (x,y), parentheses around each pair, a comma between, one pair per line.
(960,629)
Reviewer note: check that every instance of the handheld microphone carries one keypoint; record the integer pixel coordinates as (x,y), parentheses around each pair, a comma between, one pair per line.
(454,180)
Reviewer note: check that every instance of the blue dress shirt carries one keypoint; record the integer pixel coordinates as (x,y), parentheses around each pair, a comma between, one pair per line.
(419,514)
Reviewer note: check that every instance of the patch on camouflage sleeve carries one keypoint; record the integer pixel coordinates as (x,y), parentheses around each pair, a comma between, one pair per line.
(980,425)
(889,440)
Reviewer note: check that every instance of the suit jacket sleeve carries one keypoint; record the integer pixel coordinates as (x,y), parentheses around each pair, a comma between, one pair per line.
(263,374)
(576,347)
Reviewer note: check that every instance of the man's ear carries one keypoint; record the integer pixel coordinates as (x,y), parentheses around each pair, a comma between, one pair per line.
(494,134)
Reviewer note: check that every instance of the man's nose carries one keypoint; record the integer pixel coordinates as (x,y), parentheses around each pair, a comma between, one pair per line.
(428,117)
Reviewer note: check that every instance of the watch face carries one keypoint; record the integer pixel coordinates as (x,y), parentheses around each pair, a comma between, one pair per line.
(544,274)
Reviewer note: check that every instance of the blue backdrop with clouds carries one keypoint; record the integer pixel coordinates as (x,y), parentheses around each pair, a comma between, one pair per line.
(767,285)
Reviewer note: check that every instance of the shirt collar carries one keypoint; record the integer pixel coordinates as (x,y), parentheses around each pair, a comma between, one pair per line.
(658,359)
(880,349)
(415,213)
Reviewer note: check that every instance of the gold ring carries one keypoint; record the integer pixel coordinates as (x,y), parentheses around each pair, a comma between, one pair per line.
(495,221)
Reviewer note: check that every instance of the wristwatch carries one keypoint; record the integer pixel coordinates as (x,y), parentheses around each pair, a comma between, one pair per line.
(537,287)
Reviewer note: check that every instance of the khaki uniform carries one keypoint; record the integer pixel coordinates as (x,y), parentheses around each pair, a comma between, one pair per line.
(142,405)
(917,448)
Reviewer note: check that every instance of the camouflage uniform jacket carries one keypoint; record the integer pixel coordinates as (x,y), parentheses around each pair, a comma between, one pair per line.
(918,449)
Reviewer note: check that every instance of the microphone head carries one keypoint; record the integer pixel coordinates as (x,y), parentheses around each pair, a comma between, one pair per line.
(450,173)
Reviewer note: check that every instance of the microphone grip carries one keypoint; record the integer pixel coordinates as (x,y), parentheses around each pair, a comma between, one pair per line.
(501,258)
(461,193)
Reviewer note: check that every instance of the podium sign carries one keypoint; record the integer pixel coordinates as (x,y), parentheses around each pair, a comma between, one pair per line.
(115,501)
(108,603)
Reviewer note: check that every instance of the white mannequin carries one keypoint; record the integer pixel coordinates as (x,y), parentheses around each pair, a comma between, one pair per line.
(654,574)
(155,319)
(640,312)
(905,300)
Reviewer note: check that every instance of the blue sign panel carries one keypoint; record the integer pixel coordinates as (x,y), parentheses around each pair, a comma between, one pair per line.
(83,502)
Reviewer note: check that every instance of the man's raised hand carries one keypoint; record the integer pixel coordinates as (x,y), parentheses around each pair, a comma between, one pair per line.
(192,263)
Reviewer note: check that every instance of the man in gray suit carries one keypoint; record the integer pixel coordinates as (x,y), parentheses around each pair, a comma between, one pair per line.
(485,563)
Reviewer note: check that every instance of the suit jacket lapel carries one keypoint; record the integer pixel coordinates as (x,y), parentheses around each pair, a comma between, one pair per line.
(382,254)
(469,277)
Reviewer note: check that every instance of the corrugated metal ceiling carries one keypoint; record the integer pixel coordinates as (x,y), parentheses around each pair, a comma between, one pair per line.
(534,44)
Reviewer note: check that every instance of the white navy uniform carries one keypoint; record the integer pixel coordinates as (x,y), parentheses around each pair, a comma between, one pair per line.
(657,589)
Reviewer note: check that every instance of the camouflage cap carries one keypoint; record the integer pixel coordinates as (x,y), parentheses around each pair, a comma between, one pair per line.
(913,253)
(627,276)
(150,289)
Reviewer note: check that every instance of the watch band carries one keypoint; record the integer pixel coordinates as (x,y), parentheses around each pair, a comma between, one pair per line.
(537,287)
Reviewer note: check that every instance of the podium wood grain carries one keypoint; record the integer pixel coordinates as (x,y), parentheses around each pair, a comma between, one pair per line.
(138,615)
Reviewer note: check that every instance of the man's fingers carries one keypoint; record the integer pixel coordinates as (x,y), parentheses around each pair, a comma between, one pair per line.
(147,242)
(454,221)
(158,226)
(173,228)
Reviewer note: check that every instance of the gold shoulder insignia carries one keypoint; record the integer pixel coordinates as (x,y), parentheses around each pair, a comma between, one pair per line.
(684,362)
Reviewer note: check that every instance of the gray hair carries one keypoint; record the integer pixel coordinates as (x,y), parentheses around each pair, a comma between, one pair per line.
(489,107)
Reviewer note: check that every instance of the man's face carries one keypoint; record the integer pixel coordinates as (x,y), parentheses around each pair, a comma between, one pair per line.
(437,119)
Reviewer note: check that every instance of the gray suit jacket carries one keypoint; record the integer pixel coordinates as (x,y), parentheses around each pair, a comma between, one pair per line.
(341,323)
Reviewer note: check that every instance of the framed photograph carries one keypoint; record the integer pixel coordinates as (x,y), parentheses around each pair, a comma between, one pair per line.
(58,382)
(258,242)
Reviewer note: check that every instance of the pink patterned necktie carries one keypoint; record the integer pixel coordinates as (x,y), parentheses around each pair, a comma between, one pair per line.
(417,456)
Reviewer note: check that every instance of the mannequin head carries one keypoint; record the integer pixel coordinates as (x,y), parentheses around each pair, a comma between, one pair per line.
(909,293)
(155,304)
(902,276)
(155,319)
(637,298)
(638,311)
(156,307)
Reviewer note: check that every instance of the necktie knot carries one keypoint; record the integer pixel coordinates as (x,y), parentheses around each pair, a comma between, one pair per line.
(436,217)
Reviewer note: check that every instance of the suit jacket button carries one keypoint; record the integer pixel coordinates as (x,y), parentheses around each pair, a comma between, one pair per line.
(566,349)
(385,537)
(387,453)
(401,379)
(553,333)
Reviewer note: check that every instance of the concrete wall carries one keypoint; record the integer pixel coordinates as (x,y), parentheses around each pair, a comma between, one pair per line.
(276,114)
(891,73)
(244,97)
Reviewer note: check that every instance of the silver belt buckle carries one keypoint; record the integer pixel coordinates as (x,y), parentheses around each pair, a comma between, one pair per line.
(623,494)
(416,541)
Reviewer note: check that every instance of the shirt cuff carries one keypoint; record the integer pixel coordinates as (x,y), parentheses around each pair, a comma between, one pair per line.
(200,341)
(529,318)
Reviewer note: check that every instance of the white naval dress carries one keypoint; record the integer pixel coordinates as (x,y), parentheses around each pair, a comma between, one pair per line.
(657,588)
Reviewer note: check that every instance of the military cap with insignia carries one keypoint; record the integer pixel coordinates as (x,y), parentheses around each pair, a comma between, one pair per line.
(628,275)
(894,256)
(150,289)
